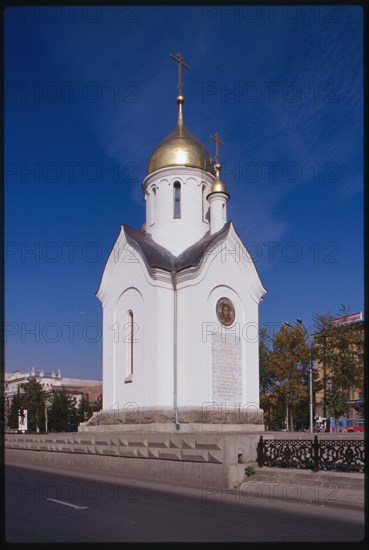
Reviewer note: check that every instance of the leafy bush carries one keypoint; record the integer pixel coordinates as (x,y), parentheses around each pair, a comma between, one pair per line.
(249,471)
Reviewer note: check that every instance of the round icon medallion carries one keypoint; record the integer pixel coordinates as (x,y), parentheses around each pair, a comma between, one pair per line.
(225,312)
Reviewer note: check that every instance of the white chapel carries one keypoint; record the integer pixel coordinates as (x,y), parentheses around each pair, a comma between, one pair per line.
(180,299)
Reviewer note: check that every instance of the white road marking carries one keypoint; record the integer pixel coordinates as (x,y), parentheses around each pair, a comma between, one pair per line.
(67,504)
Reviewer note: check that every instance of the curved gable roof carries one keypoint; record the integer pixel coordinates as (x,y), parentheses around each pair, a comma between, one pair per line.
(159,257)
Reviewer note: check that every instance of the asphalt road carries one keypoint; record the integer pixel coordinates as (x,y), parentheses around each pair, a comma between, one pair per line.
(43,506)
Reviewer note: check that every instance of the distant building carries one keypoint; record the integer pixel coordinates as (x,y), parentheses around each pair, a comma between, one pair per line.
(13,380)
(90,393)
(355,325)
(78,387)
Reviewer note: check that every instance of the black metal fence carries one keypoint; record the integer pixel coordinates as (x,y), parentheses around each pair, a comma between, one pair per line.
(338,455)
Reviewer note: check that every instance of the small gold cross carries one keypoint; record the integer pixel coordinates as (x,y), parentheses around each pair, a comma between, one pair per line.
(218,141)
(179,58)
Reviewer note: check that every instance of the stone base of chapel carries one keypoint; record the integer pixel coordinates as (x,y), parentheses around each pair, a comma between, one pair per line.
(209,418)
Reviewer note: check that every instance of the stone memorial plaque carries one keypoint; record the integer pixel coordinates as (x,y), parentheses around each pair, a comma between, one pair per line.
(226,370)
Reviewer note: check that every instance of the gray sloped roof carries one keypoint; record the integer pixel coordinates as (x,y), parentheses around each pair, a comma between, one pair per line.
(159,257)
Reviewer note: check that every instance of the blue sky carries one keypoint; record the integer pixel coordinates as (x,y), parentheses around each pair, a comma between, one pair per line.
(90,91)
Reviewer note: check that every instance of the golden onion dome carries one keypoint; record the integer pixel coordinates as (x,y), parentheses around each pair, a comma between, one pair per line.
(218,186)
(180,148)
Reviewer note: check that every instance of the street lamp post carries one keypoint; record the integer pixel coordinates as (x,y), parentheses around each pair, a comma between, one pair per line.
(46,418)
(286,418)
(310,376)
(310,371)
(47,403)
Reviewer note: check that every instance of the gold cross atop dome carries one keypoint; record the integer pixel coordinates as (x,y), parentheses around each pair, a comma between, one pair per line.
(218,141)
(218,186)
(179,59)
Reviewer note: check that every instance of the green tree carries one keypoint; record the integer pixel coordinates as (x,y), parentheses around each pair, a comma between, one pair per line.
(289,365)
(33,398)
(84,410)
(97,406)
(267,400)
(15,404)
(62,412)
(337,406)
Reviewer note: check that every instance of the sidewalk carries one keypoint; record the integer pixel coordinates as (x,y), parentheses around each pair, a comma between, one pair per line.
(293,485)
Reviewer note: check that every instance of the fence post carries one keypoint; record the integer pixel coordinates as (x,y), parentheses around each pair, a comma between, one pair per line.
(316,454)
(260,452)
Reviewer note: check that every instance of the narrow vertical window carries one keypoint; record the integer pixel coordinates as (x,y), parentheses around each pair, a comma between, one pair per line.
(177,199)
(203,203)
(223,211)
(131,341)
(153,206)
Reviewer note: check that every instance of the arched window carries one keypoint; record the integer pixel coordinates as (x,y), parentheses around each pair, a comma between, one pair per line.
(129,341)
(130,315)
(177,199)
(223,211)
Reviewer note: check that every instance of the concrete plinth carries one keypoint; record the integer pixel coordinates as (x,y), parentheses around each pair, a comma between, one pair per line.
(190,459)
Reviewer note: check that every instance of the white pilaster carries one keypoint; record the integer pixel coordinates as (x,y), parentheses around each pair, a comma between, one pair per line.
(218,211)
